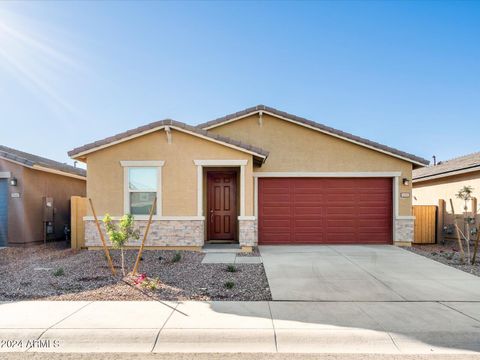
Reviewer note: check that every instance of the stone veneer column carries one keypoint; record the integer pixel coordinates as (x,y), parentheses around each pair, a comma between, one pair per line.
(404,229)
(161,233)
(247,232)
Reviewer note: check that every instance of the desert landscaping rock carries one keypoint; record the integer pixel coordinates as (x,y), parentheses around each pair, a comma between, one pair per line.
(448,254)
(86,276)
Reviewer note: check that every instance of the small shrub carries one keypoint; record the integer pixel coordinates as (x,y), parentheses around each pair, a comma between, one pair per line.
(231,268)
(229,284)
(59,272)
(177,257)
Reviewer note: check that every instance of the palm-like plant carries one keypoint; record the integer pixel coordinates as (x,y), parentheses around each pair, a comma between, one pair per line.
(465,193)
(120,236)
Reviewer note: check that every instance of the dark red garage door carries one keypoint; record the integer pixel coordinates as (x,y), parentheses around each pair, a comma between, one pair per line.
(325,211)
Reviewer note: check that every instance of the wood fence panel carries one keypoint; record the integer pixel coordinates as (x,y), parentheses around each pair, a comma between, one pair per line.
(425,224)
(78,211)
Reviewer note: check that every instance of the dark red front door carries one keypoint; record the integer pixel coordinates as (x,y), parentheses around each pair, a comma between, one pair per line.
(221,205)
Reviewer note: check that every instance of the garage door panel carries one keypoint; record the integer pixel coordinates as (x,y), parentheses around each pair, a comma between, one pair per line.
(277,210)
(325,210)
(303,210)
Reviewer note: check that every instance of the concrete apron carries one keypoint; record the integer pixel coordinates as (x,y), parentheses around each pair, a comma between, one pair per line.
(362,273)
(300,327)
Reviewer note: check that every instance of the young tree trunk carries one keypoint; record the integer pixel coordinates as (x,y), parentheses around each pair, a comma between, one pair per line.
(462,253)
(123,260)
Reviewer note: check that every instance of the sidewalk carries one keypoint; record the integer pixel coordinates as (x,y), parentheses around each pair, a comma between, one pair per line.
(286,327)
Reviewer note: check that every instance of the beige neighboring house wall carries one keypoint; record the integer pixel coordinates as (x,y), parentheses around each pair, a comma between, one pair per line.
(295,148)
(430,191)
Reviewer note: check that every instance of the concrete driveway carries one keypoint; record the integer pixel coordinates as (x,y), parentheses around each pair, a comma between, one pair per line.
(362,273)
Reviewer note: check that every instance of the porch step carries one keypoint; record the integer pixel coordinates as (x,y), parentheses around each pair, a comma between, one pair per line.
(222,248)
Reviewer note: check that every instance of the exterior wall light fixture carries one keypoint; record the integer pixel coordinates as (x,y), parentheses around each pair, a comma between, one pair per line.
(406,182)
(13,181)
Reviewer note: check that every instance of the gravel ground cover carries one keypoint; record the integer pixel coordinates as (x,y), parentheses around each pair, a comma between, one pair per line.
(54,272)
(447,254)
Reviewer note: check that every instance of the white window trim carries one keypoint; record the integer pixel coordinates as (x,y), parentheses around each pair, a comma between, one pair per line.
(227,163)
(126,191)
(155,217)
(5,174)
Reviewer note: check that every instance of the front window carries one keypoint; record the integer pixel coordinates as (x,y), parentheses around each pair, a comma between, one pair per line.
(142,188)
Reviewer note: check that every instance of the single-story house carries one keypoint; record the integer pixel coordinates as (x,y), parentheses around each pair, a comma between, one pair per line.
(258,176)
(35,197)
(443,180)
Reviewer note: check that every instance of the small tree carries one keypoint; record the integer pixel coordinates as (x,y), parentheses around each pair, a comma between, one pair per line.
(120,236)
(465,193)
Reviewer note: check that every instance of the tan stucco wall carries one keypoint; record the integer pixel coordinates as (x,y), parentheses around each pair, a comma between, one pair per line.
(25,224)
(295,148)
(179,173)
(429,192)
(61,188)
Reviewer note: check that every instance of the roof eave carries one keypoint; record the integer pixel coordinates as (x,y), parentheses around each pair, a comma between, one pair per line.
(79,154)
(446,174)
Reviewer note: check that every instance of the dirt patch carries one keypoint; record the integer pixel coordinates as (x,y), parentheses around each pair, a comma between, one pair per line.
(54,272)
(447,254)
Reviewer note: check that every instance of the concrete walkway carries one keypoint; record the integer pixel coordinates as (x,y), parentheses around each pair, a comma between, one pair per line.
(362,273)
(320,327)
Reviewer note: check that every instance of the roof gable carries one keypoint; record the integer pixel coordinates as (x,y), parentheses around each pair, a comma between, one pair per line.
(80,152)
(40,163)
(460,165)
(315,126)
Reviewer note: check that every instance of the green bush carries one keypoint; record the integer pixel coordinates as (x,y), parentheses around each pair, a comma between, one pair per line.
(229,284)
(231,268)
(177,257)
(59,272)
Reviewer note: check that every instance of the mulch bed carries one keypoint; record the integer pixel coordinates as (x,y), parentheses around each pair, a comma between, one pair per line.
(29,273)
(448,254)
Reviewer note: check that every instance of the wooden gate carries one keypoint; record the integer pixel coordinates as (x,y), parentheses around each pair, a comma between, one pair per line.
(78,209)
(425,224)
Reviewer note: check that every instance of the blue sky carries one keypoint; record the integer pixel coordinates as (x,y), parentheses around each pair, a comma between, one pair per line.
(406,74)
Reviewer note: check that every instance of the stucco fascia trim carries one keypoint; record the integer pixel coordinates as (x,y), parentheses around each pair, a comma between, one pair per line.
(58,172)
(316,129)
(156,218)
(220,162)
(5,174)
(141,163)
(328,174)
(127,138)
(45,169)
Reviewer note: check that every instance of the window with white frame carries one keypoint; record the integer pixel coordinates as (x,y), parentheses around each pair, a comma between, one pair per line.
(142,188)
(142,184)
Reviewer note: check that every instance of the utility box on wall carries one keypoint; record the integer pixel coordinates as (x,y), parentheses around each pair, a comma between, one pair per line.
(47,209)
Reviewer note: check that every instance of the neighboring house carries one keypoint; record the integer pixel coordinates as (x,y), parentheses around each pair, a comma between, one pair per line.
(35,197)
(443,181)
(259,176)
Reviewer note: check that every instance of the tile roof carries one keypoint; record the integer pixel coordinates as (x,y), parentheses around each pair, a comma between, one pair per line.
(168,122)
(255,109)
(464,163)
(31,160)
